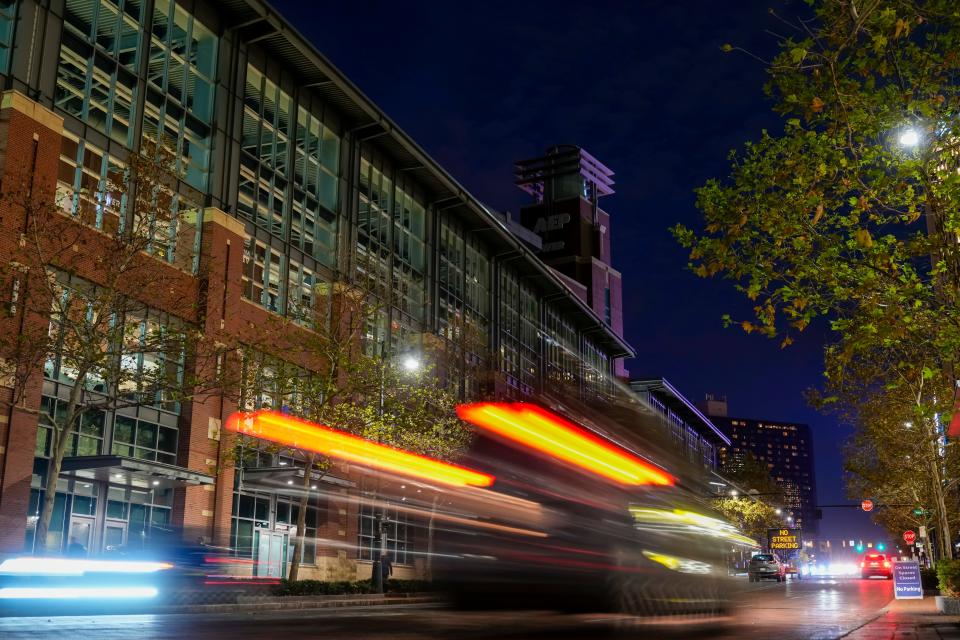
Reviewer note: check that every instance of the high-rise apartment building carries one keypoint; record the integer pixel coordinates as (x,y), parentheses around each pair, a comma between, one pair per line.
(786,449)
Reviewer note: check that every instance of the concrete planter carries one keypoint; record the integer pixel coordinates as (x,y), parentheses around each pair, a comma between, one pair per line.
(949,606)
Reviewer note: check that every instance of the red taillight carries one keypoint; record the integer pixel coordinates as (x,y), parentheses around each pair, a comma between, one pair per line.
(302,434)
(543,431)
(886,565)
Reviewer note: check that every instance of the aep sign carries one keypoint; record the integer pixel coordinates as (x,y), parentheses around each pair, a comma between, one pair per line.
(867,505)
(909,537)
(906,580)
(784,540)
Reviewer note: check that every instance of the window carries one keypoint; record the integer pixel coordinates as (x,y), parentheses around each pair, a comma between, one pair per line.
(8,18)
(561,349)
(178,110)
(89,182)
(373,229)
(519,334)
(143,439)
(262,275)
(287,512)
(99,53)
(266,145)
(86,438)
(399,536)
(316,187)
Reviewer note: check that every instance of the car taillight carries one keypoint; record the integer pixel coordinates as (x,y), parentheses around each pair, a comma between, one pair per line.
(886,565)
(862,565)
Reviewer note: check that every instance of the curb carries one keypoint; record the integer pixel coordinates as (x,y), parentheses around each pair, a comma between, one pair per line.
(296,603)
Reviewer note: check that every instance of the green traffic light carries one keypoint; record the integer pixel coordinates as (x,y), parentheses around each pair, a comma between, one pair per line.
(881,546)
(859,548)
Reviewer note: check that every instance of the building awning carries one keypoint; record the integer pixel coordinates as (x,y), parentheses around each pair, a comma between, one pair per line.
(275,479)
(133,472)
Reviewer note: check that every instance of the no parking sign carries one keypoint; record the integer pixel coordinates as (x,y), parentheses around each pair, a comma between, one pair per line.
(906,580)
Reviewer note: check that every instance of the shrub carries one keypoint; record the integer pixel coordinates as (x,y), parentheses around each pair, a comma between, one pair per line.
(948,571)
(409,586)
(346,587)
(929,580)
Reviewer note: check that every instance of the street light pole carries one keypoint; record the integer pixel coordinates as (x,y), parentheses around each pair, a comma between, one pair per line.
(379,519)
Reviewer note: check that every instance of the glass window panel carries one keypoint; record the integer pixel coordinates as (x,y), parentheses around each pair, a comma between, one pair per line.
(167,440)
(263,509)
(123,429)
(88,446)
(160,517)
(146,435)
(79,15)
(117,509)
(246,506)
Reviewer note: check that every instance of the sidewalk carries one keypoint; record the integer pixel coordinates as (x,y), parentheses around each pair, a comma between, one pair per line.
(909,620)
(273,603)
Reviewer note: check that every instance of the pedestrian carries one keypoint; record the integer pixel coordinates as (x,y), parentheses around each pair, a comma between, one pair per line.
(76,549)
(386,569)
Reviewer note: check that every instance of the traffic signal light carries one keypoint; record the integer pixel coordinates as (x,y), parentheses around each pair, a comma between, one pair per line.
(860,548)
(881,546)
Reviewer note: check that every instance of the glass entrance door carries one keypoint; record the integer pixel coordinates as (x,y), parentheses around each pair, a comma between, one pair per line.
(114,536)
(80,536)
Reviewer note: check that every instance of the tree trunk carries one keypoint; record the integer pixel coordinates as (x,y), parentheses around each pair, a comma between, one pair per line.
(301,520)
(61,438)
(944,539)
(433,513)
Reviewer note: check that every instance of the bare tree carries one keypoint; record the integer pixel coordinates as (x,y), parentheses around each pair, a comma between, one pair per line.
(91,275)
(319,363)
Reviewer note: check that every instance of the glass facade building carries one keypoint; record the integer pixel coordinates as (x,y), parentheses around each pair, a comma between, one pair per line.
(307,183)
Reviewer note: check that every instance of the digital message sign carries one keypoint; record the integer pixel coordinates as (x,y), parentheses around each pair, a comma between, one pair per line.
(784,539)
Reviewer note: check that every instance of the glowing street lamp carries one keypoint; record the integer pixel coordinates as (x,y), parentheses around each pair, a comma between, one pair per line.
(778,511)
(411,364)
(909,138)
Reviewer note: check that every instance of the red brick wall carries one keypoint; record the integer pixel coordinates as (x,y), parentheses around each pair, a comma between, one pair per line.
(29,153)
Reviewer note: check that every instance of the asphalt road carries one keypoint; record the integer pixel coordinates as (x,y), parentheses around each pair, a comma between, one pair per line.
(821,608)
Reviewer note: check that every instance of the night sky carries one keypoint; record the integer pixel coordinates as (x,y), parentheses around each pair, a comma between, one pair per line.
(645,88)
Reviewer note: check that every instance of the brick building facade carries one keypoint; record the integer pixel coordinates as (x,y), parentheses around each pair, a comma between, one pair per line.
(290,180)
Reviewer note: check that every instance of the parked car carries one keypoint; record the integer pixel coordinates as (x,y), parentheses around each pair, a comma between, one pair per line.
(876,564)
(766,565)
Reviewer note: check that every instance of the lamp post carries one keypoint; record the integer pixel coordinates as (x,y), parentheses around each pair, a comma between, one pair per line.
(410,364)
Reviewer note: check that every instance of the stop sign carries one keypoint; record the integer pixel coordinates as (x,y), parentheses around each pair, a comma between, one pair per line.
(867,505)
(909,537)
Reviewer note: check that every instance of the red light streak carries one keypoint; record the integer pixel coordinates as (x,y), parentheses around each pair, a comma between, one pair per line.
(302,434)
(548,433)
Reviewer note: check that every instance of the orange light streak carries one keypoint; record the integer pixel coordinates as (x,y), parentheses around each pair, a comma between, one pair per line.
(548,433)
(302,434)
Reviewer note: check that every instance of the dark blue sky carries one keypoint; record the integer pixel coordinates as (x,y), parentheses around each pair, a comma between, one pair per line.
(644,87)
